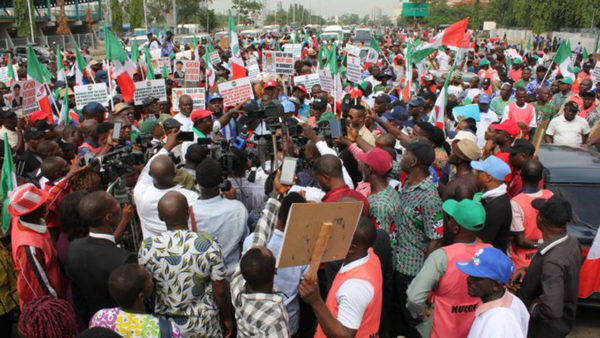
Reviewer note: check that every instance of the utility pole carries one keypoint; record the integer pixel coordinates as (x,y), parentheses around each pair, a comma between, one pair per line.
(175,16)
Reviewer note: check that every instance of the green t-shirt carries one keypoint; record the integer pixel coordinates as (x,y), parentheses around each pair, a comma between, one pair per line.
(497,105)
(326,116)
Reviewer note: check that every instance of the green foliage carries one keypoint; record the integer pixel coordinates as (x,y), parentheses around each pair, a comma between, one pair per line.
(245,9)
(117,15)
(136,13)
(303,17)
(349,19)
(213,21)
(22,17)
(188,11)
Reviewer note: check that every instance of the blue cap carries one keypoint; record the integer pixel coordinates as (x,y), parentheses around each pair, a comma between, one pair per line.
(214,96)
(288,107)
(484,98)
(488,262)
(493,166)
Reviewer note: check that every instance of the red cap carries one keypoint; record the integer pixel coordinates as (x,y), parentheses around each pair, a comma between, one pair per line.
(25,199)
(199,114)
(301,87)
(509,126)
(270,84)
(378,159)
(38,115)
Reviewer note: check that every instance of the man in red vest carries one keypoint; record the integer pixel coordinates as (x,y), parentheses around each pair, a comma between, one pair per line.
(36,259)
(454,309)
(521,112)
(353,305)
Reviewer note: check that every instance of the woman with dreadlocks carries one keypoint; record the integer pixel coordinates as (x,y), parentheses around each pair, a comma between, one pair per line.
(47,317)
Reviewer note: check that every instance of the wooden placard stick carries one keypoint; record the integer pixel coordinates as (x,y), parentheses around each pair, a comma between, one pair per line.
(319,249)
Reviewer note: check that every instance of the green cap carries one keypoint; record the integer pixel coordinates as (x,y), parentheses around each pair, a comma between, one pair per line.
(148,126)
(567,80)
(469,214)
(484,62)
(517,61)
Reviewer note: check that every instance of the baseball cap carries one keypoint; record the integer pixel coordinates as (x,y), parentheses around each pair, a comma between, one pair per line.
(417,102)
(509,126)
(93,107)
(484,62)
(148,126)
(26,198)
(44,126)
(468,149)
(319,102)
(121,106)
(517,61)
(493,166)
(485,99)
(271,84)
(149,100)
(199,114)
(252,110)
(214,96)
(302,88)
(464,135)
(32,133)
(6,112)
(171,123)
(567,80)
(312,52)
(468,213)
(347,102)
(422,149)
(383,98)
(521,145)
(288,107)
(378,159)
(398,115)
(428,77)
(488,262)
(556,210)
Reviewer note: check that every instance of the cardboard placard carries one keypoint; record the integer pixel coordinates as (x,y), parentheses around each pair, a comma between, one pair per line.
(157,65)
(144,89)
(215,59)
(278,62)
(224,42)
(236,91)
(156,53)
(198,96)
(304,225)
(192,71)
(308,81)
(353,69)
(23,95)
(187,54)
(90,93)
(469,110)
(294,48)
(596,73)
(326,80)
(4,74)
(253,71)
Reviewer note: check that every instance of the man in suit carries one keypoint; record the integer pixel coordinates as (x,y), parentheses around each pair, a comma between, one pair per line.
(90,260)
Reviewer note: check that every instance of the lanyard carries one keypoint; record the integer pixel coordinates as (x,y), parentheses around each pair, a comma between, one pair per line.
(198,133)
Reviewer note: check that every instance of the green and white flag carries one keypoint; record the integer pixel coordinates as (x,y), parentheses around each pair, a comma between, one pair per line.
(373,53)
(80,66)
(11,71)
(8,182)
(135,51)
(149,70)
(60,68)
(63,118)
(563,59)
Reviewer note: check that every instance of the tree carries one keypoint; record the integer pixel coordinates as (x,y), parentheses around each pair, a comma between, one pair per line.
(62,22)
(22,17)
(303,17)
(213,20)
(89,20)
(245,9)
(117,15)
(136,13)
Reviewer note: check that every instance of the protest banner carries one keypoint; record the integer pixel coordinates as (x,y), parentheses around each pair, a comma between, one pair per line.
(215,59)
(154,88)
(353,50)
(353,69)
(236,91)
(278,62)
(224,42)
(24,96)
(325,230)
(326,80)
(157,65)
(596,73)
(186,55)
(294,48)
(4,74)
(469,110)
(197,94)
(308,81)
(155,53)
(253,71)
(90,93)
(191,70)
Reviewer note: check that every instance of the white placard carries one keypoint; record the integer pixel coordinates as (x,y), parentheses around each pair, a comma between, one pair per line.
(157,65)
(26,94)
(4,74)
(326,80)
(197,94)
(144,89)
(353,69)
(215,59)
(192,71)
(294,48)
(253,71)
(236,91)
(278,62)
(353,50)
(90,93)
(308,81)
(596,73)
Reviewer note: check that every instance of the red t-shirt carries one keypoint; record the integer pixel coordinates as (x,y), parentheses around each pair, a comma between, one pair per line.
(336,194)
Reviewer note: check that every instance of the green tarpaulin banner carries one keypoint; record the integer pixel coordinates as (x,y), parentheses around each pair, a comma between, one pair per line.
(415,10)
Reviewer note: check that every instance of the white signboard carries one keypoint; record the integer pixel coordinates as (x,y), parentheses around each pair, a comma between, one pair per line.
(353,69)
(90,93)
(353,50)
(157,65)
(184,55)
(253,71)
(308,81)
(23,95)
(278,62)
(596,73)
(197,94)
(215,59)
(294,48)
(326,80)
(236,91)
(148,88)
(4,74)
(192,71)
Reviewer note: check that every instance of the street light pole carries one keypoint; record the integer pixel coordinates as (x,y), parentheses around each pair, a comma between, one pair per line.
(30,20)
(145,16)
(175,16)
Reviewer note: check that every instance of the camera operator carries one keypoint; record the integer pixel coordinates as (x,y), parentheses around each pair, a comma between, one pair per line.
(253,119)
(155,180)
(250,187)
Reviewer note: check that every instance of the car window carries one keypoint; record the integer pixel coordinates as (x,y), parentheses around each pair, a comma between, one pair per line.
(584,201)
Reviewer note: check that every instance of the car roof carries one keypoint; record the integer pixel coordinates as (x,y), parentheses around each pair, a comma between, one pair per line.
(565,164)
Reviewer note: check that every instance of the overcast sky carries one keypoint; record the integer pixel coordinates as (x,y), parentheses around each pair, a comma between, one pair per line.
(327,8)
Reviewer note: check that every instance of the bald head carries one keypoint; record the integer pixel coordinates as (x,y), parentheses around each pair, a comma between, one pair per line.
(53,167)
(385,140)
(258,268)
(173,209)
(98,209)
(329,165)
(532,172)
(365,234)
(162,171)
(88,127)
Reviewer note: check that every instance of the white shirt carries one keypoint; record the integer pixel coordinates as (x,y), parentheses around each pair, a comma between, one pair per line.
(225,220)
(324,149)
(251,194)
(146,197)
(532,122)
(154,45)
(485,119)
(503,317)
(186,122)
(353,297)
(108,237)
(568,133)
(443,61)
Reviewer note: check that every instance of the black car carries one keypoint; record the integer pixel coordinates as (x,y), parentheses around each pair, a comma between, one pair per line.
(574,174)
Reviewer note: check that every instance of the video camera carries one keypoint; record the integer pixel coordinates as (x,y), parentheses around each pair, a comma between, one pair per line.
(116,163)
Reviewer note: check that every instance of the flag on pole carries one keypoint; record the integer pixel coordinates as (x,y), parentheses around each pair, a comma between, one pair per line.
(60,68)
(11,71)
(80,66)
(332,61)
(8,182)
(64,118)
(210,71)
(149,69)
(38,72)
(195,46)
(451,36)
(529,44)
(135,51)
(165,71)
(563,59)
(123,68)
(590,270)
(373,53)
(437,115)
(586,55)
(237,63)
(407,74)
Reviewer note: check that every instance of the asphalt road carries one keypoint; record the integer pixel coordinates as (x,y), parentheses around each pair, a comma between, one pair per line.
(587,323)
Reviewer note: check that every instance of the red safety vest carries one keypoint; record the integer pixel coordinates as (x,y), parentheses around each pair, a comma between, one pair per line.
(454,309)
(370,271)
(94,150)
(520,114)
(521,257)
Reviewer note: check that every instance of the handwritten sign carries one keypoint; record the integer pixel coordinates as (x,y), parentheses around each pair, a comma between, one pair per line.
(326,80)
(197,94)
(278,62)
(308,81)
(236,91)
(150,88)
(90,93)
(192,71)
(353,69)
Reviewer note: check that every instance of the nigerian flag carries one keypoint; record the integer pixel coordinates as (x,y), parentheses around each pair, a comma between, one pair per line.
(373,53)
(8,182)
(135,51)
(149,70)
(586,55)
(165,71)
(563,59)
